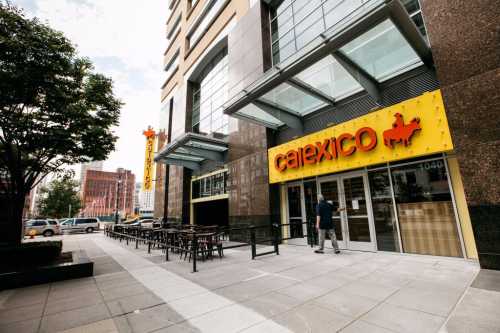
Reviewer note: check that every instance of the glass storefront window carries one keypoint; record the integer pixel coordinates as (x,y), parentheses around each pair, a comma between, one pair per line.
(210,186)
(311,199)
(295,211)
(209,95)
(294,201)
(383,211)
(425,209)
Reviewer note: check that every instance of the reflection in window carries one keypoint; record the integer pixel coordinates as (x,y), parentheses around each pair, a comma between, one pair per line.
(294,201)
(210,186)
(383,211)
(425,209)
(296,23)
(311,199)
(209,95)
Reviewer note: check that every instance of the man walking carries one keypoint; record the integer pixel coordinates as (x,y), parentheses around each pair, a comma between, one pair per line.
(324,224)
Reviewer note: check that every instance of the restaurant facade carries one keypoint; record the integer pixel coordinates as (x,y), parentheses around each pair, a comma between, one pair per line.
(269,103)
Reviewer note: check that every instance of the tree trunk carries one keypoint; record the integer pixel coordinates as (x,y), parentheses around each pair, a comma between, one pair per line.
(12,224)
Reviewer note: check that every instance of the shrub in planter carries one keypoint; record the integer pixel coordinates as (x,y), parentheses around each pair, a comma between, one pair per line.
(29,254)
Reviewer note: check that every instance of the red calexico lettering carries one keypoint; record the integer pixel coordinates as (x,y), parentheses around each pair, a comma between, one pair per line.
(346,144)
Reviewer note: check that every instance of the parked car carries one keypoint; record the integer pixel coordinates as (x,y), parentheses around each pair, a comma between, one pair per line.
(43,227)
(87,224)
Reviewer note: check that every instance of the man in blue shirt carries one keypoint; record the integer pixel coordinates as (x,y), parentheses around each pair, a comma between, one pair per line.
(324,224)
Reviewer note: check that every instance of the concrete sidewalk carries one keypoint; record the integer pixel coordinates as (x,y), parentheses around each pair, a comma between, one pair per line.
(297,291)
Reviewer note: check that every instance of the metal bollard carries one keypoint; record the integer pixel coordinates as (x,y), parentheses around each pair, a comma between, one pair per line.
(136,243)
(149,246)
(276,238)
(166,247)
(194,249)
(253,242)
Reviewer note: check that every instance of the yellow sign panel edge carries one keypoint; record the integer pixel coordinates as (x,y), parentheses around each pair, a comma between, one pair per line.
(434,137)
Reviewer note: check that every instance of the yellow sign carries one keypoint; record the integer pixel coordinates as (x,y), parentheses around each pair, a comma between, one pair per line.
(147,182)
(413,128)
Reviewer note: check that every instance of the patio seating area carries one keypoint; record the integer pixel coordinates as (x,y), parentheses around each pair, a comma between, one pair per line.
(136,290)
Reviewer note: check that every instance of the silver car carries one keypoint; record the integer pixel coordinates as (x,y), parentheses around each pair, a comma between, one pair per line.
(43,227)
(87,224)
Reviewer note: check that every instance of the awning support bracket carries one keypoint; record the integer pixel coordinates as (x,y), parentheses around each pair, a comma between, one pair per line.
(290,119)
(364,79)
(310,90)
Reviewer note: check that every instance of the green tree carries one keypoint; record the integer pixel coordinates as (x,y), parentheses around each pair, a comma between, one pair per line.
(59,197)
(54,110)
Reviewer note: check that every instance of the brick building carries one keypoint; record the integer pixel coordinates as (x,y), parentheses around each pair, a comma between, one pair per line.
(101,188)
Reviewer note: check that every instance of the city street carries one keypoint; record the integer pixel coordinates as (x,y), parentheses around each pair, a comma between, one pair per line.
(297,291)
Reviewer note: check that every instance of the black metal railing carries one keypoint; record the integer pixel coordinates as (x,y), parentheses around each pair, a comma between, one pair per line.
(197,244)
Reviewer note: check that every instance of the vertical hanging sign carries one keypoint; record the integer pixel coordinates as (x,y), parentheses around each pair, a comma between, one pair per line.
(147,182)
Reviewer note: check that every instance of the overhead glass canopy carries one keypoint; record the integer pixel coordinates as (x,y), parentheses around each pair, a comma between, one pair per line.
(382,52)
(368,47)
(328,76)
(288,97)
(191,149)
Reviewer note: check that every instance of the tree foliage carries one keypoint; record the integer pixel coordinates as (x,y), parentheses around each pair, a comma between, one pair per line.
(59,197)
(54,109)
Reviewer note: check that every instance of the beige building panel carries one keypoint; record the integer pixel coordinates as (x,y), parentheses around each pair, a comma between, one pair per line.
(173,18)
(172,48)
(177,9)
(192,14)
(234,8)
(175,80)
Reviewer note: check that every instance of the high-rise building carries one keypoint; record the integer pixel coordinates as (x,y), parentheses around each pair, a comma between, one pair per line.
(105,193)
(137,192)
(95,165)
(268,103)
(146,203)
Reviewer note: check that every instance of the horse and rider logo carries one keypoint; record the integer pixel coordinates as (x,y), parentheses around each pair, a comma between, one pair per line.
(401,132)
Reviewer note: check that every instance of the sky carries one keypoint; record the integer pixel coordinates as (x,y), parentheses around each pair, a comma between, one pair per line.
(125,40)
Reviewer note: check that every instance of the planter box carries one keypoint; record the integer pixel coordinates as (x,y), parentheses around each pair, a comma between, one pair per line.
(79,267)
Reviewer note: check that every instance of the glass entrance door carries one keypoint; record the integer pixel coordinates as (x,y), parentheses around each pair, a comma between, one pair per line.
(357,217)
(295,210)
(330,189)
(354,224)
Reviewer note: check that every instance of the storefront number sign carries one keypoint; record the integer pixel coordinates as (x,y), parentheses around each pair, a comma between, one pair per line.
(415,127)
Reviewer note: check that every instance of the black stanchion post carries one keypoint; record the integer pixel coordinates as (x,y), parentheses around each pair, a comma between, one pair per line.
(136,242)
(253,242)
(149,245)
(194,249)
(166,246)
(276,238)
(310,234)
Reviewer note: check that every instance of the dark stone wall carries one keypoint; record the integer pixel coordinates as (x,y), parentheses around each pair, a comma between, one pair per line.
(175,193)
(465,41)
(248,182)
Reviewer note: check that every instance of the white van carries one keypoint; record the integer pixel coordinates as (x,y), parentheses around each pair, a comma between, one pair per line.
(87,224)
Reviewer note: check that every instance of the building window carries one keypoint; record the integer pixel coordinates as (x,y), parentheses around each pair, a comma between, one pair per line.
(191,4)
(210,186)
(383,211)
(425,209)
(209,95)
(172,66)
(175,29)
(295,23)
(209,13)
